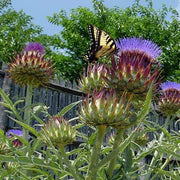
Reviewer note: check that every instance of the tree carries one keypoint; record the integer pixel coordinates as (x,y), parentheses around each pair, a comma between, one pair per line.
(137,20)
(16,29)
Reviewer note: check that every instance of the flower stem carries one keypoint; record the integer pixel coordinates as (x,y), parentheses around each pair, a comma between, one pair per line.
(27,115)
(115,145)
(92,171)
(68,163)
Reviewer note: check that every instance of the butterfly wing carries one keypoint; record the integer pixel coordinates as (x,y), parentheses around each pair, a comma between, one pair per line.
(101,44)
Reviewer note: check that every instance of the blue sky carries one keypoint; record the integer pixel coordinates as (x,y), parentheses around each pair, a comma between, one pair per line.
(39,9)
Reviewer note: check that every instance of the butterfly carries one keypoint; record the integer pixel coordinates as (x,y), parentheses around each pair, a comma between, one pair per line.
(101,44)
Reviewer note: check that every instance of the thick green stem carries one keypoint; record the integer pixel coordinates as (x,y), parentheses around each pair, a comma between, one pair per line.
(27,112)
(68,163)
(115,145)
(92,171)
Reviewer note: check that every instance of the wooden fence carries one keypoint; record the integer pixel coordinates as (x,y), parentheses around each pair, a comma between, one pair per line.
(55,96)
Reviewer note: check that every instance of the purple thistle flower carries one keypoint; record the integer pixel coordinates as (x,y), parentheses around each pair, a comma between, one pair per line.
(10,133)
(140,45)
(30,67)
(169,100)
(17,132)
(170,85)
(35,46)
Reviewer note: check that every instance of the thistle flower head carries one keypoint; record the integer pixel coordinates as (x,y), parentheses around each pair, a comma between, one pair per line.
(169,100)
(142,46)
(130,74)
(35,46)
(132,71)
(58,131)
(93,78)
(10,134)
(105,108)
(31,68)
(170,85)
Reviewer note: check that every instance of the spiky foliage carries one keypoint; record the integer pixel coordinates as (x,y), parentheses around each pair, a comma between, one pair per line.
(59,131)
(132,76)
(93,78)
(169,101)
(106,108)
(31,68)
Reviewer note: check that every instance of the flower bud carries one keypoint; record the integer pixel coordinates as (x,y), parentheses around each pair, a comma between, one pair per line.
(10,134)
(106,108)
(93,78)
(58,131)
(169,100)
(30,68)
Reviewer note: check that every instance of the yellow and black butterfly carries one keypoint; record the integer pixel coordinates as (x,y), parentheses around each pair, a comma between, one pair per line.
(101,44)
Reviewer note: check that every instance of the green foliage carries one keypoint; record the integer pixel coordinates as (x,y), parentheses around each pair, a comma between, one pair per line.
(4,4)
(162,26)
(43,161)
(16,29)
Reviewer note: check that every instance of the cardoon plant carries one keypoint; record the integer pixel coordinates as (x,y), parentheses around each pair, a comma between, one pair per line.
(58,131)
(169,106)
(132,70)
(106,108)
(112,90)
(30,69)
(169,100)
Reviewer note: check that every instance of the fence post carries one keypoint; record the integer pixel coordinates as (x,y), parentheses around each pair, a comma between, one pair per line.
(6,87)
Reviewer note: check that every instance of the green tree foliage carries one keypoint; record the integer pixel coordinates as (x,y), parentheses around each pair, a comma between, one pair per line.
(162,26)
(16,29)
